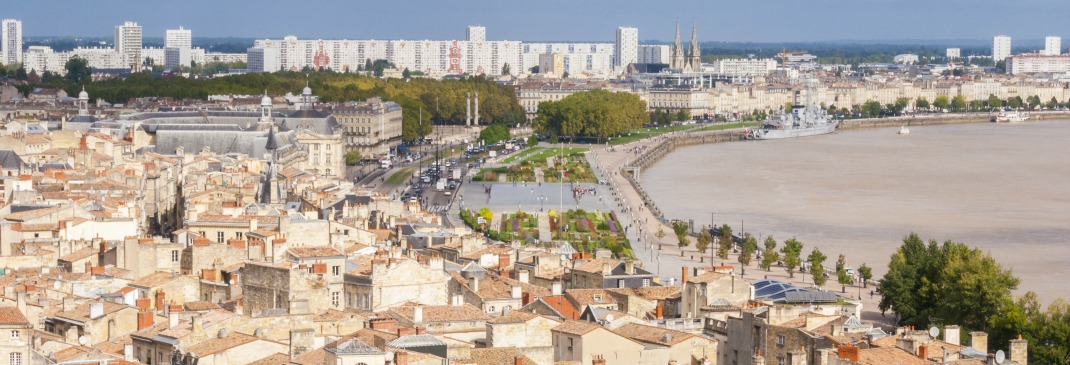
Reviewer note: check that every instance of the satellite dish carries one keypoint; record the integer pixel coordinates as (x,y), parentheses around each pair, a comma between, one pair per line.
(1000,357)
(934,332)
(232,281)
(55,285)
(83,340)
(609,318)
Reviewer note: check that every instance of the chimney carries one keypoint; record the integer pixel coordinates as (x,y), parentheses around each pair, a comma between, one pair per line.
(629,267)
(607,269)
(198,325)
(401,358)
(96,310)
(1019,351)
(503,260)
(659,311)
(143,304)
(848,352)
(519,360)
(420,330)
(418,314)
(523,276)
(128,352)
(555,288)
(473,283)
(388,325)
(516,291)
(683,276)
(951,335)
(253,225)
(598,360)
(68,304)
(160,296)
(906,344)
(172,320)
(923,352)
(979,341)
(144,320)
(758,359)
(797,357)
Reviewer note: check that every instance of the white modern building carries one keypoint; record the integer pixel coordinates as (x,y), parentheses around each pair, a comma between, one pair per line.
(100,57)
(42,58)
(128,43)
(748,67)
(906,59)
(1052,46)
(655,53)
(11,48)
(263,59)
(626,47)
(1034,63)
(579,59)
(1001,47)
(178,38)
(475,33)
(953,53)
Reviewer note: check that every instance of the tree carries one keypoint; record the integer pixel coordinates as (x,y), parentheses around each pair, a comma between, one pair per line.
(506,70)
(871,109)
(901,104)
(78,70)
(725,242)
(704,240)
(1034,101)
(746,253)
(1052,104)
(494,133)
(817,267)
(770,243)
(486,214)
(792,251)
(769,257)
(680,228)
(841,262)
(661,232)
(994,102)
(352,157)
(405,73)
(564,75)
(841,272)
(534,69)
(958,103)
(942,102)
(866,273)
(1015,102)
(921,103)
(367,64)
(20,73)
(591,114)
(949,281)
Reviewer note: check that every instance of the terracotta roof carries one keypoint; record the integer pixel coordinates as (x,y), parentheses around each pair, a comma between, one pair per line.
(200,306)
(217,345)
(305,252)
(513,317)
(576,327)
(595,265)
(155,279)
(81,254)
(650,292)
(497,356)
(442,313)
(707,277)
(654,335)
(12,315)
(884,356)
(81,312)
(582,297)
(561,304)
(273,359)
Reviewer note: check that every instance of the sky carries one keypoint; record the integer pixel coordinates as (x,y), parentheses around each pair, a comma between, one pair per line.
(555,20)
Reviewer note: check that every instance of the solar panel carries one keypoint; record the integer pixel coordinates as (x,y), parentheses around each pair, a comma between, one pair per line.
(806,296)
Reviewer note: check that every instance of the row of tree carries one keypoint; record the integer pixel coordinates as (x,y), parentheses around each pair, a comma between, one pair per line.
(438,101)
(591,114)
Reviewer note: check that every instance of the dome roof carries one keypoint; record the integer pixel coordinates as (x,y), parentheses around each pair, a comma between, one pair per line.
(307,90)
(83,95)
(265,101)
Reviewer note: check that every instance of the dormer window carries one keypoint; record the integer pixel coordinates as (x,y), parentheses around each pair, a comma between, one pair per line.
(598,297)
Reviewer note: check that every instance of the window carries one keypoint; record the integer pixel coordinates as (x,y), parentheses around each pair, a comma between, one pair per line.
(780,340)
(491,309)
(646,282)
(620,283)
(237,235)
(15,358)
(780,361)
(335,298)
(219,237)
(174,255)
(14,335)
(336,270)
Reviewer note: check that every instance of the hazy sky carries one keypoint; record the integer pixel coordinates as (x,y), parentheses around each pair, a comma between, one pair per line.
(593,20)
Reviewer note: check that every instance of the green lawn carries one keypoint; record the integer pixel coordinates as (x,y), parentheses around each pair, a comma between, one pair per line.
(717,127)
(400,176)
(642,133)
(550,152)
(520,155)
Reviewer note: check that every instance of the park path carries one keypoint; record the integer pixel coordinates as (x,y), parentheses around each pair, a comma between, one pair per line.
(539,175)
(545,235)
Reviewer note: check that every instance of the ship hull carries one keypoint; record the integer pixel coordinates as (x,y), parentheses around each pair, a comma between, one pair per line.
(759,134)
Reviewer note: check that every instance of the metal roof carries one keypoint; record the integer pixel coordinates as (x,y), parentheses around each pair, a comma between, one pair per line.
(807,296)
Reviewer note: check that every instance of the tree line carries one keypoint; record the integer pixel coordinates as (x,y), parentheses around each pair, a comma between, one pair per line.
(441,101)
(591,114)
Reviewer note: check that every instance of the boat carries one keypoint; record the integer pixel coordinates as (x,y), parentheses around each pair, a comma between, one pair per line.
(801,121)
(1012,116)
(904,130)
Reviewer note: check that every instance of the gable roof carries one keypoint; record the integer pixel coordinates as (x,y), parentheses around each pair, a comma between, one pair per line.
(12,315)
(654,335)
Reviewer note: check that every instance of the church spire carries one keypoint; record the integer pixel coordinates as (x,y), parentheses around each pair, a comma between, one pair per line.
(694,57)
(676,54)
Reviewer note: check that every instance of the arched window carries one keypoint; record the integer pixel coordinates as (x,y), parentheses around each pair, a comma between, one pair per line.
(491,309)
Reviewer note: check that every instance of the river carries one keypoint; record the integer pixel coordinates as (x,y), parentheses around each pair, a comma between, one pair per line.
(1004,188)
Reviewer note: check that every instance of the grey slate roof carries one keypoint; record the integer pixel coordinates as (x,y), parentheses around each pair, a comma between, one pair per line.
(10,160)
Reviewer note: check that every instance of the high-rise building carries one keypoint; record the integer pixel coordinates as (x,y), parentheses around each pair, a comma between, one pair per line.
(653,53)
(1001,47)
(953,53)
(627,47)
(1052,46)
(178,38)
(12,41)
(128,43)
(476,33)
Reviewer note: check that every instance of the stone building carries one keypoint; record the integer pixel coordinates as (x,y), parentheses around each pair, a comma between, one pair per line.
(371,127)
(609,273)
(382,283)
(710,289)
(525,331)
(15,336)
(282,289)
(94,322)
